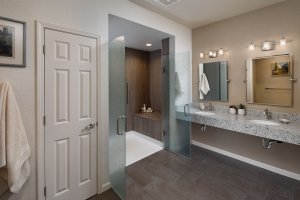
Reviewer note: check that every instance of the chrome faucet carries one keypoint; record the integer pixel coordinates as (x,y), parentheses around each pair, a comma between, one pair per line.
(267,114)
(210,107)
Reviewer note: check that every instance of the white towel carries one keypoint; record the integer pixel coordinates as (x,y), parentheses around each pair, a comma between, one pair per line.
(14,147)
(204,84)
(201,96)
(178,87)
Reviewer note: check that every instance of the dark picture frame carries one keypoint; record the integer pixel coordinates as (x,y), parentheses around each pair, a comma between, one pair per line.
(12,42)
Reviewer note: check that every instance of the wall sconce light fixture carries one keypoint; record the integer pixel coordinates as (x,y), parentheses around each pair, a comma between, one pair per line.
(212,53)
(267,45)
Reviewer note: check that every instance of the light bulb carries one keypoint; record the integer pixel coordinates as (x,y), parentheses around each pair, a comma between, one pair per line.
(201,54)
(267,46)
(210,53)
(148,45)
(221,51)
(214,54)
(282,41)
(251,46)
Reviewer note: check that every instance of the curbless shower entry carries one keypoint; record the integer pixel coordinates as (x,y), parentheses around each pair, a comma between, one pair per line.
(176,120)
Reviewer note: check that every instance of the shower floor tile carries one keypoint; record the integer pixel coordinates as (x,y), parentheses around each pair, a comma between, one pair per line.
(139,147)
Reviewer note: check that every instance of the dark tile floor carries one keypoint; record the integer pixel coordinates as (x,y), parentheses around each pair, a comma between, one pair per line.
(207,176)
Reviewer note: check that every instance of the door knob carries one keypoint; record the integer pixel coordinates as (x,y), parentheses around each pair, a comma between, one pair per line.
(90,126)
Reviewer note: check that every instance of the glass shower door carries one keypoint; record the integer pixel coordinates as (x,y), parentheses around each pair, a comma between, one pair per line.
(117,119)
(176,115)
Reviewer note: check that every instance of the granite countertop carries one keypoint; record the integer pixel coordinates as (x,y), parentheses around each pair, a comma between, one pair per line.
(289,133)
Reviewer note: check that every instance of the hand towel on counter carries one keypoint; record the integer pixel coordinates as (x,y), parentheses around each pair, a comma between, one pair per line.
(204,84)
(14,147)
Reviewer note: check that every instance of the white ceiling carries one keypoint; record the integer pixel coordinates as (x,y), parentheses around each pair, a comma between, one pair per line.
(196,13)
(136,35)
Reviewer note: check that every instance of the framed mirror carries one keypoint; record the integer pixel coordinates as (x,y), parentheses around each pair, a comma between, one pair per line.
(213,81)
(270,80)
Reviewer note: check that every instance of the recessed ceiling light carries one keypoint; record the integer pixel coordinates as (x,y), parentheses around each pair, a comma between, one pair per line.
(148,45)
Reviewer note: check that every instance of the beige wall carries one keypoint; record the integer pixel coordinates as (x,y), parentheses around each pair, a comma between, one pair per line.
(234,35)
(90,16)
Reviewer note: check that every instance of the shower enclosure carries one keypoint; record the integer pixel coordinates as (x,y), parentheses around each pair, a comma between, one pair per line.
(176,120)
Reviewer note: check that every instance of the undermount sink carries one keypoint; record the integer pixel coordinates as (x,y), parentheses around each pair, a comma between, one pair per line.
(264,122)
(204,113)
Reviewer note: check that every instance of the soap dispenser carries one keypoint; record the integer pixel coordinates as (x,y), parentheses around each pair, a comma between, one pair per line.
(144,109)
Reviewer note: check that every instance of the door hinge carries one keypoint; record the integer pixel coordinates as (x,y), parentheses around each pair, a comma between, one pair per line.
(44,120)
(44,49)
(45,191)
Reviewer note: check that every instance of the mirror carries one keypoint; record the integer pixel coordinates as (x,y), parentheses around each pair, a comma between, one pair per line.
(213,81)
(270,80)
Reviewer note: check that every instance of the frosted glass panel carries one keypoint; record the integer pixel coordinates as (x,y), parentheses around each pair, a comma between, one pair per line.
(176,118)
(117,153)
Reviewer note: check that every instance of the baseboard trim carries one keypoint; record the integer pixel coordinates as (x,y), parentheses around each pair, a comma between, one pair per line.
(249,161)
(106,186)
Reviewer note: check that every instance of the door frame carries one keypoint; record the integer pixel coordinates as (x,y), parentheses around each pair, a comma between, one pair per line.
(40,94)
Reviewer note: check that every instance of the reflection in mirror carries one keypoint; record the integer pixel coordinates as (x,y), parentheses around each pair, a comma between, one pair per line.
(213,80)
(269,80)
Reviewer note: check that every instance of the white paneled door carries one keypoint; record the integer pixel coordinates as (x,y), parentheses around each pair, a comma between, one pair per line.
(71,116)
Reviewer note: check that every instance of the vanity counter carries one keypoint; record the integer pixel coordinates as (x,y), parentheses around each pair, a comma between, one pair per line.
(289,133)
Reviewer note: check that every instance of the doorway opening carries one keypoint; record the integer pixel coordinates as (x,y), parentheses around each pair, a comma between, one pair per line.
(143,87)
(143,92)
(67,113)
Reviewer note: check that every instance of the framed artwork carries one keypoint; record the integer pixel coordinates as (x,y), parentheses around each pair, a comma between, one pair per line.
(280,69)
(12,43)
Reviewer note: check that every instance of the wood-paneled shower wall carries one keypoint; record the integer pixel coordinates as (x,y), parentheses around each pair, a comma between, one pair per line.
(144,81)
